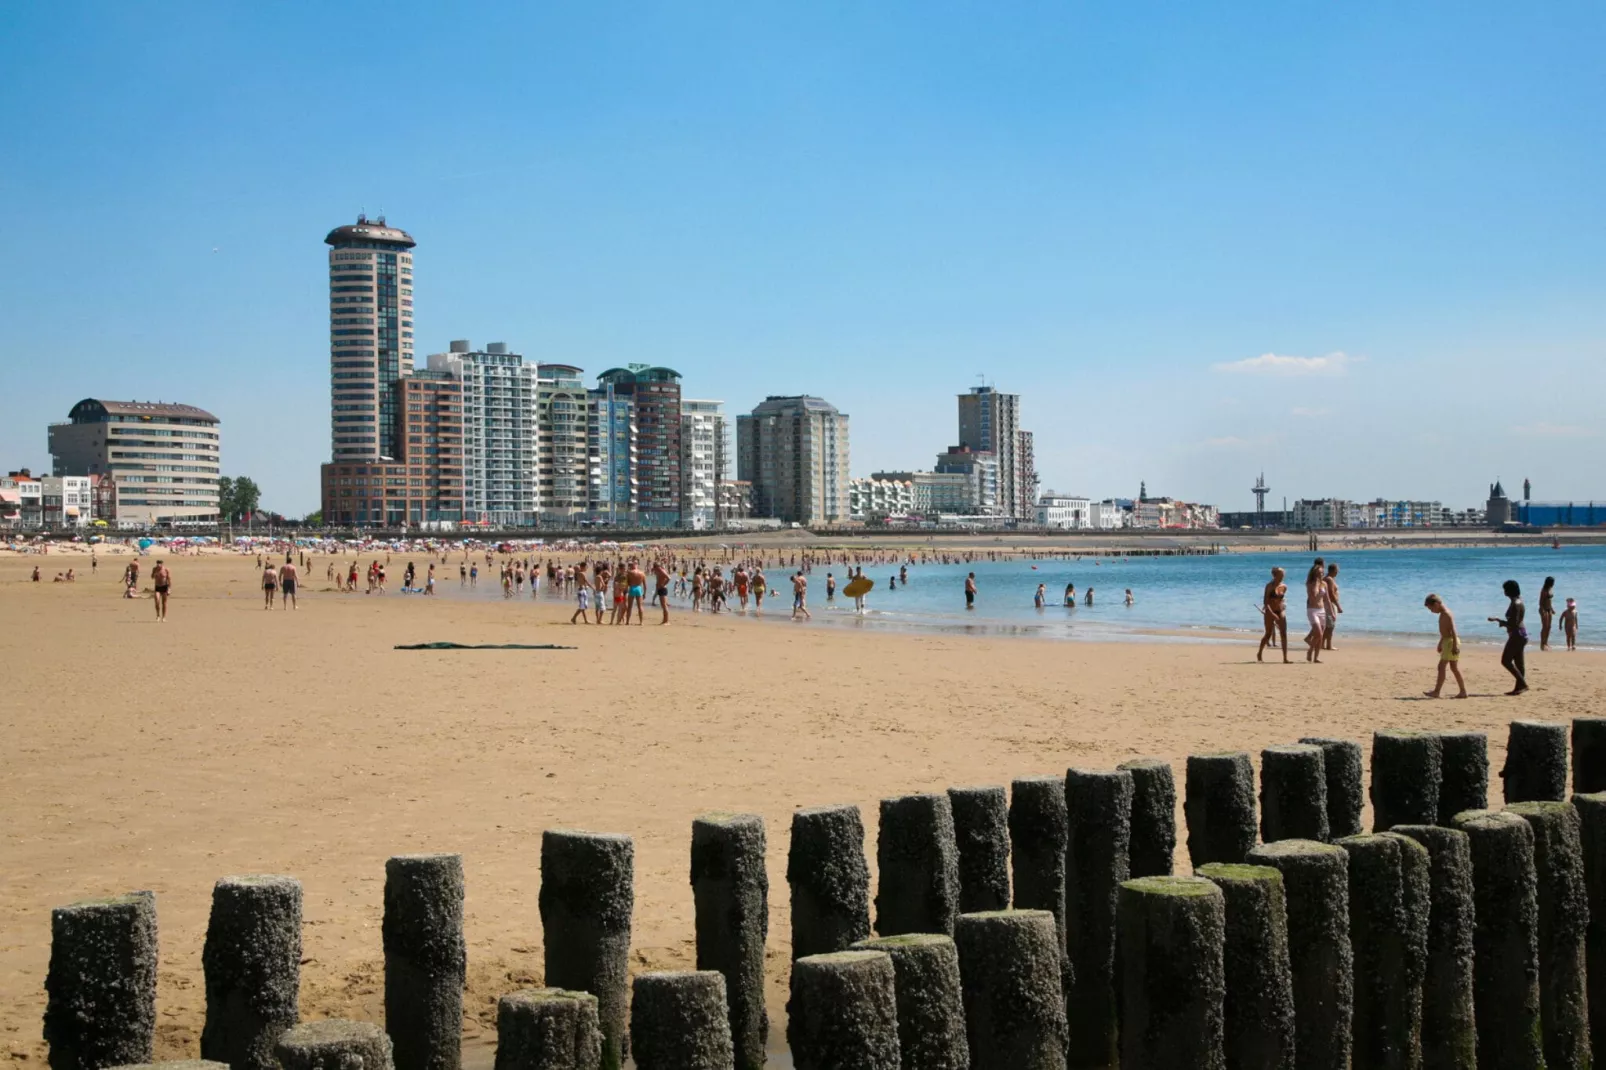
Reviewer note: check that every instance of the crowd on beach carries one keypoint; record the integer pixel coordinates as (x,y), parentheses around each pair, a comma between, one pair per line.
(1323,607)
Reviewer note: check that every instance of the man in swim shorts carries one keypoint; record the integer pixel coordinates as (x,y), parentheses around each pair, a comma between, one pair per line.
(660,577)
(287,585)
(636,591)
(162,579)
(1449,646)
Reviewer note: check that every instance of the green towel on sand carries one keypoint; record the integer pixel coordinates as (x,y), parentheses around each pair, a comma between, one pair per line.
(482,646)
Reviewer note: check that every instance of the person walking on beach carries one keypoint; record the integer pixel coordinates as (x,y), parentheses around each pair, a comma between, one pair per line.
(660,579)
(970,591)
(760,584)
(1512,658)
(1449,647)
(287,585)
(270,584)
(1569,624)
(830,589)
(800,596)
(162,581)
(1274,608)
(582,598)
(1333,608)
(1547,611)
(1315,611)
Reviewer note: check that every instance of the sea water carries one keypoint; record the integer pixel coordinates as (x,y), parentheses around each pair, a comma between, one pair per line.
(1215,595)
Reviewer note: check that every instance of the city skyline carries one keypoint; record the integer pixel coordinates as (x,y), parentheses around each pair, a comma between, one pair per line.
(1193,259)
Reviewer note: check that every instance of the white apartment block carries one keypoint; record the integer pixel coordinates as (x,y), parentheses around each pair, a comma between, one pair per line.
(703,453)
(1108,515)
(500,478)
(1065,512)
(877,499)
(563,466)
(66,501)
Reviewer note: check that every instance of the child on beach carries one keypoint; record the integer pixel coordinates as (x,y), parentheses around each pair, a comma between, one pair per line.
(1449,647)
(582,599)
(1569,623)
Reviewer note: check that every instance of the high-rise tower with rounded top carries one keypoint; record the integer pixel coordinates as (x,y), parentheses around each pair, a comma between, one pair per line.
(370,335)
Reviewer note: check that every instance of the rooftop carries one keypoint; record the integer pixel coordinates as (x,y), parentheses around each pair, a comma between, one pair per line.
(370,231)
(91,409)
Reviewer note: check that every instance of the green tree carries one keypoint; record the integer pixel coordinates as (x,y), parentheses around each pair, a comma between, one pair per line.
(247,496)
(238,497)
(313,519)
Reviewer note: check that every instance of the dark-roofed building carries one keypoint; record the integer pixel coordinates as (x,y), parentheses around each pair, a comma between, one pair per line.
(794,452)
(370,336)
(655,397)
(163,458)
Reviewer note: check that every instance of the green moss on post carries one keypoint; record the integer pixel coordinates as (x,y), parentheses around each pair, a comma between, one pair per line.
(730,888)
(1037,835)
(843,1012)
(101,985)
(1536,762)
(1464,774)
(981,828)
(678,1021)
(1407,768)
(1154,817)
(829,879)
(587,898)
(1388,987)
(1505,945)
(1563,921)
(426,960)
(1173,974)
(1099,808)
(1009,968)
(1316,881)
(548,1029)
(1416,901)
(1589,756)
(252,963)
(1592,826)
(1220,807)
(1259,1007)
(1449,1033)
(918,860)
(1293,793)
(1342,760)
(334,1044)
(931,1014)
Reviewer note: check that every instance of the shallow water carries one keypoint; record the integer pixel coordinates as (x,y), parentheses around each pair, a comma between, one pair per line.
(1201,598)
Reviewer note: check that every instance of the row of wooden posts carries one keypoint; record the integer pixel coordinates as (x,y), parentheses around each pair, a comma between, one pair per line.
(1451,937)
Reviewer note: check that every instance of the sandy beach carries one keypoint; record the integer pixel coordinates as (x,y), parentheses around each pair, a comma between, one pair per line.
(234,740)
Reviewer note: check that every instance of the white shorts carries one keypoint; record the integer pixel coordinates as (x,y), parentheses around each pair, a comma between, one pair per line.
(1317,618)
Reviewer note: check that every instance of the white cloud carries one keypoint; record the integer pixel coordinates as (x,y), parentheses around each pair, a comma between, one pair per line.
(1545,429)
(1277,364)
(1300,410)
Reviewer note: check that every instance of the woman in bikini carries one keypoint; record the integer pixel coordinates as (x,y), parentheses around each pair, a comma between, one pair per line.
(1275,611)
(1547,611)
(1512,657)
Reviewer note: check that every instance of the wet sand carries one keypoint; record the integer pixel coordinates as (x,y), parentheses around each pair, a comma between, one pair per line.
(233,740)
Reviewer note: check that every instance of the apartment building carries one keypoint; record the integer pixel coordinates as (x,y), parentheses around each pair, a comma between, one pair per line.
(794,451)
(164,456)
(500,471)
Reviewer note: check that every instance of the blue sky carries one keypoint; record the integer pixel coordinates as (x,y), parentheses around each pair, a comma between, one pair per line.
(1358,246)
